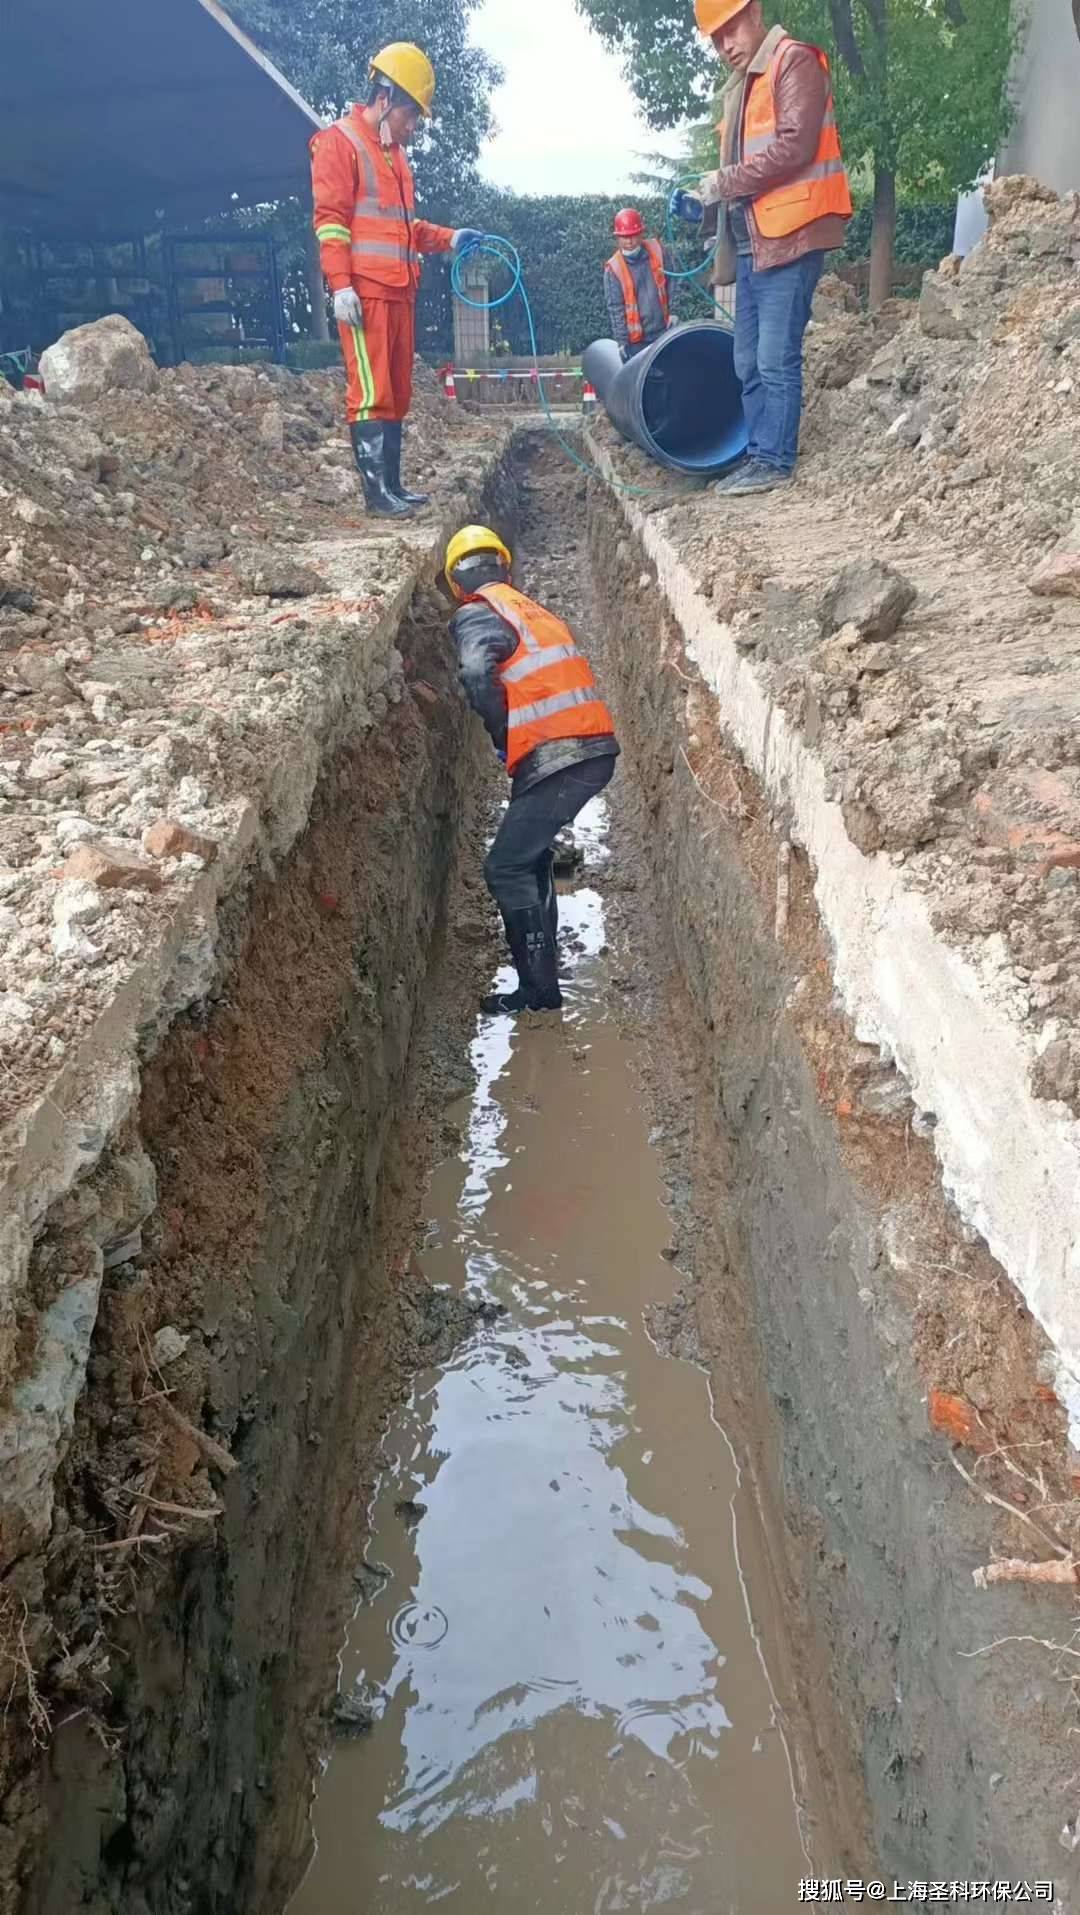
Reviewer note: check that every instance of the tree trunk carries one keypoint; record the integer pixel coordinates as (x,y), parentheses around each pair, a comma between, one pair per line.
(883,236)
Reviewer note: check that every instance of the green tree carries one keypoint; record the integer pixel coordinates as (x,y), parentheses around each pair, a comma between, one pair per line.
(324,47)
(921,87)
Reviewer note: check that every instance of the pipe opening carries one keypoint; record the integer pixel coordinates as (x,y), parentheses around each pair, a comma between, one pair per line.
(692,399)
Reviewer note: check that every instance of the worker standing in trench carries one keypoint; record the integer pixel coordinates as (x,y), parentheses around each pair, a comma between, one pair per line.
(521,670)
(784,201)
(636,285)
(371,246)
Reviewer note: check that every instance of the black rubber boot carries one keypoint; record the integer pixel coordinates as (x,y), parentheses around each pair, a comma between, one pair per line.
(369,451)
(393,431)
(532,949)
(549,897)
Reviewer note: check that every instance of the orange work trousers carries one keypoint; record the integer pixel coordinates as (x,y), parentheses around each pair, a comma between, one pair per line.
(379,360)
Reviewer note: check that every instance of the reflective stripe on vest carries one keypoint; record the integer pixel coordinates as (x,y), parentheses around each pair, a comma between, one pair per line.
(381,235)
(620,268)
(550,690)
(821,188)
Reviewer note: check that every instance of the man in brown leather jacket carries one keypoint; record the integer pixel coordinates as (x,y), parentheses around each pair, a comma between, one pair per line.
(784,201)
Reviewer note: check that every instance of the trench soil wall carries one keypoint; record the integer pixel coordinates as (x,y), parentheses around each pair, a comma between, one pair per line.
(828,1222)
(250,1334)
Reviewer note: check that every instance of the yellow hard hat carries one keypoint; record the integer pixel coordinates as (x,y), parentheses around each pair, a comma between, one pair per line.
(713,14)
(468,543)
(411,70)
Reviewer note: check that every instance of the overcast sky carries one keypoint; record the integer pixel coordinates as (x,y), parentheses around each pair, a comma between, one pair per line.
(568,122)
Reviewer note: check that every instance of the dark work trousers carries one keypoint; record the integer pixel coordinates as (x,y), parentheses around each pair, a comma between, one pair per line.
(531,823)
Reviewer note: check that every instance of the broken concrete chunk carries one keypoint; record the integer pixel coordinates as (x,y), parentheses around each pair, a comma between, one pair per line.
(833,296)
(272,429)
(15,598)
(1057,1072)
(112,867)
(942,314)
(72,946)
(107,356)
(169,1346)
(123,1249)
(171,840)
(277,575)
(1059,575)
(15,1014)
(78,901)
(871,596)
(199,549)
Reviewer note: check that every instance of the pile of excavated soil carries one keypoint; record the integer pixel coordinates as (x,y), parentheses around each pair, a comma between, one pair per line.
(965,419)
(913,600)
(115,507)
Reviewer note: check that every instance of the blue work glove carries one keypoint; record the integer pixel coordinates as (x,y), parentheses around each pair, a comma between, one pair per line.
(501,756)
(687,206)
(465,237)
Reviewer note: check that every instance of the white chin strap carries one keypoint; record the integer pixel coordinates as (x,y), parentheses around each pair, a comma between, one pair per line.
(384,131)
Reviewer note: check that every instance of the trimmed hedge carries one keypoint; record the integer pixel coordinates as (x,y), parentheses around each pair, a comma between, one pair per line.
(924,234)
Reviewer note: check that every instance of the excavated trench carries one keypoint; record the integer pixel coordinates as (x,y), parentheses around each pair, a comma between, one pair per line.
(587,1549)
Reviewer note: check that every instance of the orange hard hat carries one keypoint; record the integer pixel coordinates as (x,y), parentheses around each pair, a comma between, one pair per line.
(713,14)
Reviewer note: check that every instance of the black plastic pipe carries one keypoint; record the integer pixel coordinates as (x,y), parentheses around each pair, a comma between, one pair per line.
(679,400)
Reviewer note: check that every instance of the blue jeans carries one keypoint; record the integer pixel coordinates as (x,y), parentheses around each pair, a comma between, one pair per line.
(771,313)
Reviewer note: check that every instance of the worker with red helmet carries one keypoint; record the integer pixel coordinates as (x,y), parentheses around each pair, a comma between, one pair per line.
(784,200)
(636,285)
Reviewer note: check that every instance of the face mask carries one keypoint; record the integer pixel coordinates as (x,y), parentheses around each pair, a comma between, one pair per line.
(634,252)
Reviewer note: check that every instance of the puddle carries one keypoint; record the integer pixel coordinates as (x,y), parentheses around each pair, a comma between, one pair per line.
(572,1711)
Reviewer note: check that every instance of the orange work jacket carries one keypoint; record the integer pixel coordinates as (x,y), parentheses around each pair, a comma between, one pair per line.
(822,189)
(365,218)
(550,690)
(617,265)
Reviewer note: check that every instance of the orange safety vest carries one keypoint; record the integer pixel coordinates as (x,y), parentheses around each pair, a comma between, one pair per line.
(550,690)
(822,187)
(617,264)
(382,220)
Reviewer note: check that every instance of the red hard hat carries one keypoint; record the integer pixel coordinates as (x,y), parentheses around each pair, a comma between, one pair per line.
(629,223)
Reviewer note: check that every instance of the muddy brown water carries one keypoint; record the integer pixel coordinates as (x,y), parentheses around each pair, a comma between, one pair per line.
(571,1707)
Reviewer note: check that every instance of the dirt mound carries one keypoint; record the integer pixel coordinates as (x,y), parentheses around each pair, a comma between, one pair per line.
(133,491)
(966,413)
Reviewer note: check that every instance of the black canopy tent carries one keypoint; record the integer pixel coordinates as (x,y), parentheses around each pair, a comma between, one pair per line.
(125,115)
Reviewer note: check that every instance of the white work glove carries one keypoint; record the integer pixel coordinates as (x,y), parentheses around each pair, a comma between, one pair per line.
(347,308)
(465,236)
(708,190)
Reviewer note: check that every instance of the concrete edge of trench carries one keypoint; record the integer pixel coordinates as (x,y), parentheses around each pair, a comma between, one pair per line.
(75,1119)
(1009,1161)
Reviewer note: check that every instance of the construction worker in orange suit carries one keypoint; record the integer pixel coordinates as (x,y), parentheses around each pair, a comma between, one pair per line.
(636,285)
(371,247)
(521,670)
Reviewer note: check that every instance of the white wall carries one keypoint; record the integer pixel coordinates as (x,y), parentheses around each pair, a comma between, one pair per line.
(1046,137)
